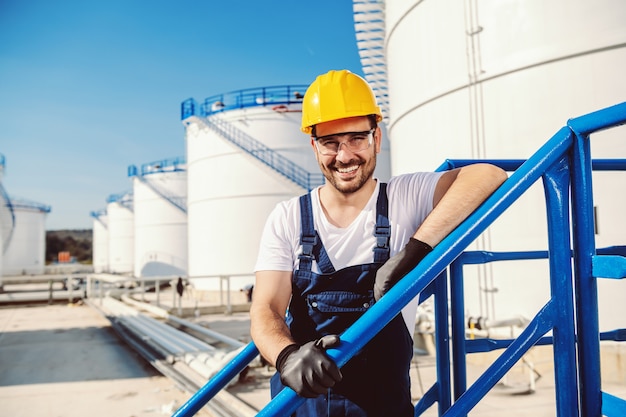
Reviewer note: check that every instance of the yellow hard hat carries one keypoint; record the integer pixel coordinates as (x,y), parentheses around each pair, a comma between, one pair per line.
(337,95)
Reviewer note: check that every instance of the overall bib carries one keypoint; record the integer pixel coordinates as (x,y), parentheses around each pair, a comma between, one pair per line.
(376,380)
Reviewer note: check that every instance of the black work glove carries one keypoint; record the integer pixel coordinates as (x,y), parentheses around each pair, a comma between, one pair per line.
(306,369)
(399,265)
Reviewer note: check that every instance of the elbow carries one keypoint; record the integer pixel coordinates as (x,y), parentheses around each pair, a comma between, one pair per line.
(493,176)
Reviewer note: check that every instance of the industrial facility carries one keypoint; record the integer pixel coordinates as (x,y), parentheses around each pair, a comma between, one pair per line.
(22,233)
(509,83)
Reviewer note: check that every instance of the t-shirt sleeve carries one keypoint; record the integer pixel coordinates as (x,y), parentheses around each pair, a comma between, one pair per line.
(415,192)
(279,238)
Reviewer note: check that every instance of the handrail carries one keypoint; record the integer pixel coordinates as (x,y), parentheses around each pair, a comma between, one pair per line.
(268,156)
(163,165)
(240,99)
(551,162)
(29,204)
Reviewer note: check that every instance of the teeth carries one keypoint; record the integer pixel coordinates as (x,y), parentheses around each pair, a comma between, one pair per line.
(349,169)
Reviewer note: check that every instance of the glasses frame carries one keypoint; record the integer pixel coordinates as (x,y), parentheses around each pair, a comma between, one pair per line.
(370,140)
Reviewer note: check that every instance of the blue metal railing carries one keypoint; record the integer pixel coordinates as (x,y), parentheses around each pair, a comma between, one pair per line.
(177,164)
(125,199)
(155,167)
(29,204)
(563,163)
(251,97)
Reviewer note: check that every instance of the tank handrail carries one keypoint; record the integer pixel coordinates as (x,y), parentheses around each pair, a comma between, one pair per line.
(29,204)
(565,155)
(123,196)
(240,99)
(268,156)
(178,201)
(163,165)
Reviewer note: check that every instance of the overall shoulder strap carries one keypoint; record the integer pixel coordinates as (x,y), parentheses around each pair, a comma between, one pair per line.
(382,230)
(312,246)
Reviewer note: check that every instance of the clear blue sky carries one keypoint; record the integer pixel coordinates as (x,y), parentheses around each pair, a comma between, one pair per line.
(89,87)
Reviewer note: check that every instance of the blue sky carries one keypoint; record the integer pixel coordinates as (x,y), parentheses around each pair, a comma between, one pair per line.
(89,87)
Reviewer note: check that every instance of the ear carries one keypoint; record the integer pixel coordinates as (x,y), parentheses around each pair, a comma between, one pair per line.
(378,138)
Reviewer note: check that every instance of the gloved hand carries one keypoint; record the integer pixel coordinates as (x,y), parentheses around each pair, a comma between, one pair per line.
(399,265)
(306,369)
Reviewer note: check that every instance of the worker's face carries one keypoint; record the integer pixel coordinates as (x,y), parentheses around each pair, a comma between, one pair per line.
(347,171)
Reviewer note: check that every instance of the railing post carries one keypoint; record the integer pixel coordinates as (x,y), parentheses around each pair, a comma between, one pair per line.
(588,327)
(457,303)
(442,342)
(556,187)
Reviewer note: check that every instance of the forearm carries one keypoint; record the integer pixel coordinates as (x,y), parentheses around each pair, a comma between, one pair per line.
(466,189)
(269,332)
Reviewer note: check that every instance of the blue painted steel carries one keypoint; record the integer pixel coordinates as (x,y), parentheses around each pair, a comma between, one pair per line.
(442,343)
(457,316)
(550,162)
(556,186)
(219,381)
(252,97)
(28,204)
(588,328)
(163,165)
(609,266)
(613,406)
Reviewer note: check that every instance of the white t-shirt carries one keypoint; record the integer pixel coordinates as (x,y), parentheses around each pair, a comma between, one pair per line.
(410,201)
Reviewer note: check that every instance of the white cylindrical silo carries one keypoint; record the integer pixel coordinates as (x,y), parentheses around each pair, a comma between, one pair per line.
(494,79)
(231,190)
(25,254)
(160,206)
(121,233)
(100,243)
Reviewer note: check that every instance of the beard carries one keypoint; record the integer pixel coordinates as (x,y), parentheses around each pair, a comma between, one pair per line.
(366,171)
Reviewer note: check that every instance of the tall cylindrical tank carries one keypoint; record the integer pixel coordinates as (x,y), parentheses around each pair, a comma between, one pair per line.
(121,233)
(237,146)
(160,206)
(26,249)
(494,79)
(100,243)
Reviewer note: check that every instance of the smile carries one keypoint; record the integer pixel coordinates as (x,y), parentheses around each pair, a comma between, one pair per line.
(348,169)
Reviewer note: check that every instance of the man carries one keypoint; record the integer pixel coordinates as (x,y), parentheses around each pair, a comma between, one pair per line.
(329,255)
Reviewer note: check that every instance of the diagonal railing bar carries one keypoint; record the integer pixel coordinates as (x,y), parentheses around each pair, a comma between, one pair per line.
(538,326)
(218,381)
(263,153)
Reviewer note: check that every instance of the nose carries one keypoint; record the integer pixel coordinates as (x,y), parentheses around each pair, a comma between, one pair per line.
(346,149)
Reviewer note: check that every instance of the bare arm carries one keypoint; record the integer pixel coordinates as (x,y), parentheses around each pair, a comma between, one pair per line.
(458,193)
(272,292)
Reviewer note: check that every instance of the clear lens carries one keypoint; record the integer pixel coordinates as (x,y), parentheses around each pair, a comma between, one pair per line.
(357,142)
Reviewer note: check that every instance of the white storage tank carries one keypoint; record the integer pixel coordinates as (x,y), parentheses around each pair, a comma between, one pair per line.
(494,79)
(100,243)
(25,254)
(237,146)
(121,233)
(160,206)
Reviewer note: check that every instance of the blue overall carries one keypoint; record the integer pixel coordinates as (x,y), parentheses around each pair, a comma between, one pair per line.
(376,380)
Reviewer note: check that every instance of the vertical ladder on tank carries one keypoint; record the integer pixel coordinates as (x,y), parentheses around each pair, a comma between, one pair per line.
(564,164)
